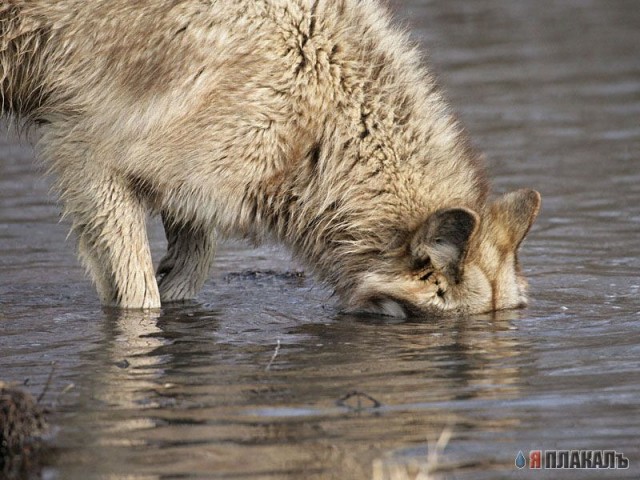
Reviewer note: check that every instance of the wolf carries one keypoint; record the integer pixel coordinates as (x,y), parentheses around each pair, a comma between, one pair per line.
(314,123)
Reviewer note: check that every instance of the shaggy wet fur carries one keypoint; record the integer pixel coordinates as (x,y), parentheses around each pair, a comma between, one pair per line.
(311,122)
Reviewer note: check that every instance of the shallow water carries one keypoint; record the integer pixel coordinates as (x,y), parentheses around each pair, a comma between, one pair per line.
(257,379)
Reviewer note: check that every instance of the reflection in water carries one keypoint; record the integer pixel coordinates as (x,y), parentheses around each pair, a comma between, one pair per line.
(550,91)
(115,393)
(133,371)
(171,387)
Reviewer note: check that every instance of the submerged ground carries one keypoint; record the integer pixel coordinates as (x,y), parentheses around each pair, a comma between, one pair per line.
(257,380)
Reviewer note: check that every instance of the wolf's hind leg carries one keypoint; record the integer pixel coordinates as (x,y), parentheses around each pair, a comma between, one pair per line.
(110,222)
(185,267)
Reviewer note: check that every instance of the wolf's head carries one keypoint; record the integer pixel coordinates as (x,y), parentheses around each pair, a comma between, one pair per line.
(457,261)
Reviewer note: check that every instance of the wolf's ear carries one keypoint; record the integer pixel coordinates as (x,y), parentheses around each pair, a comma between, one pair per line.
(515,212)
(442,241)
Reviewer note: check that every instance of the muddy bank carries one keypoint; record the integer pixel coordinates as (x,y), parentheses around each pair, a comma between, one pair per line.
(22,423)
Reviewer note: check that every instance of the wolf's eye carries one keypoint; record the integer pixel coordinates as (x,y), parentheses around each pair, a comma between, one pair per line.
(423,269)
(421,264)
(426,276)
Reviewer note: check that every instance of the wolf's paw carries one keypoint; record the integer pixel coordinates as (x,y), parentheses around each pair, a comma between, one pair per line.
(175,284)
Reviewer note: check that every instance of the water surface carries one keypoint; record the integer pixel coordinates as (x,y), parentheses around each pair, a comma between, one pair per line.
(263,378)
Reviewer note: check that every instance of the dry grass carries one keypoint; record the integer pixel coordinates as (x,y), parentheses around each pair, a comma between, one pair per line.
(416,468)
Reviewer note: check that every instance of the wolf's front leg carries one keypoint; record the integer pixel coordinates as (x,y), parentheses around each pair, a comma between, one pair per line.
(185,267)
(109,220)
